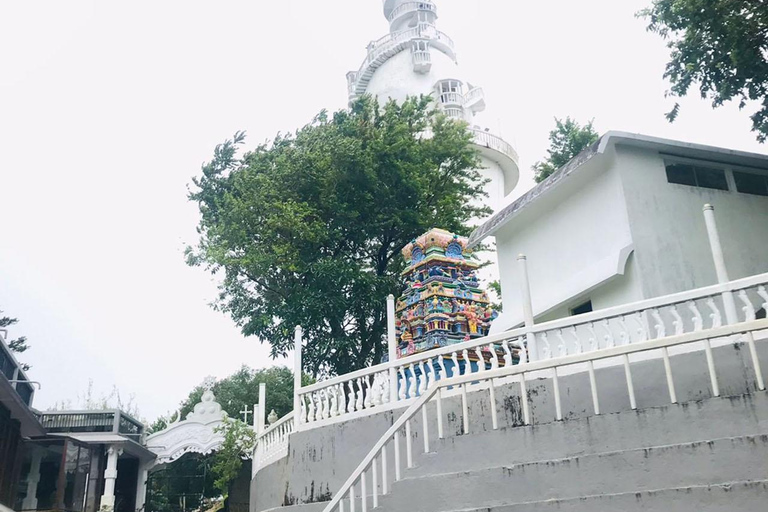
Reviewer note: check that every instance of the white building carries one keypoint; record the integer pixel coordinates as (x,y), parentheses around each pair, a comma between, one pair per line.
(415,58)
(623,222)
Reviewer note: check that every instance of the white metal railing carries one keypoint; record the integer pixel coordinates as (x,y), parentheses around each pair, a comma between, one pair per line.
(390,42)
(474,94)
(451,98)
(394,384)
(375,463)
(422,57)
(454,113)
(483,138)
(272,444)
(409,7)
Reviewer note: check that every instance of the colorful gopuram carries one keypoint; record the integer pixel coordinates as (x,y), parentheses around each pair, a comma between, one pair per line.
(442,303)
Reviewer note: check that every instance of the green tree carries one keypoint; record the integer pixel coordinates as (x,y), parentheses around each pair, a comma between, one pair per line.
(567,140)
(239,442)
(721,46)
(307,230)
(18,345)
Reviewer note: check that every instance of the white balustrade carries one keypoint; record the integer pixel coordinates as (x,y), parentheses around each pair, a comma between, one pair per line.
(451,98)
(638,341)
(483,138)
(410,7)
(272,444)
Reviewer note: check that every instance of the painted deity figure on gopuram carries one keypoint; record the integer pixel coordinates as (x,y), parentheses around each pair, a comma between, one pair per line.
(442,303)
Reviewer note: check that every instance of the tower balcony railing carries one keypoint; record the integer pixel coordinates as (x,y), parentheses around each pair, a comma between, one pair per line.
(410,7)
(475,99)
(494,142)
(452,98)
(454,113)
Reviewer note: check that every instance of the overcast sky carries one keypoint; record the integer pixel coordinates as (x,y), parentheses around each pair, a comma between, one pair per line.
(107,109)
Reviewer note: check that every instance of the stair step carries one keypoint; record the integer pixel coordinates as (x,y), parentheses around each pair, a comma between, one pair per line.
(669,425)
(681,465)
(742,496)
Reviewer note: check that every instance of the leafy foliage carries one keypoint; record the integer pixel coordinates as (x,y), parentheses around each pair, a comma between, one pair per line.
(18,345)
(308,230)
(719,45)
(567,140)
(239,442)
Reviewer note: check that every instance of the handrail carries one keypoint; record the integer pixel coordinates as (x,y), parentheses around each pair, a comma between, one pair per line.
(277,424)
(410,7)
(494,142)
(378,387)
(469,378)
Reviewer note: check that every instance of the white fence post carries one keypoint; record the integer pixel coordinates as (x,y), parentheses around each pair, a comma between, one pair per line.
(261,421)
(392,345)
(720,268)
(297,372)
(525,288)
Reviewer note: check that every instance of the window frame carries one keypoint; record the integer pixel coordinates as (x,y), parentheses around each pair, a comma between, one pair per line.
(729,170)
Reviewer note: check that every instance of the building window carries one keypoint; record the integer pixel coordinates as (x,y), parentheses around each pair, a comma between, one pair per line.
(748,183)
(582,308)
(691,175)
(447,86)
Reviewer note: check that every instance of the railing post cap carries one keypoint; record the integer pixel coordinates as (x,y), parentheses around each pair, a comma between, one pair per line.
(390,297)
(708,207)
(298,329)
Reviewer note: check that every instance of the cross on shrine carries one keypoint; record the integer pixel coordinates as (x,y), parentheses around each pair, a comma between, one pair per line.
(245,412)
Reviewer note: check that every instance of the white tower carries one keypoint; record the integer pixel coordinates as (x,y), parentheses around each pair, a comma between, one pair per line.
(415,58)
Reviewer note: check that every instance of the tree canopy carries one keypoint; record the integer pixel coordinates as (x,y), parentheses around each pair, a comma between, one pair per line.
(17,345)
(307,230)
(567,140)
(719,46)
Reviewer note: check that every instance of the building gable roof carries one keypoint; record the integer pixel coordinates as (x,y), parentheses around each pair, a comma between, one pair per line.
(670,147)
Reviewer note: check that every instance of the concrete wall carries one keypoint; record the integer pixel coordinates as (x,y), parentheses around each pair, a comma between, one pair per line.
(667,224)
(321,460)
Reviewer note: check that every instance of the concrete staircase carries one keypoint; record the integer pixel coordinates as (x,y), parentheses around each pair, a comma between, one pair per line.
(705,456)
(710,455)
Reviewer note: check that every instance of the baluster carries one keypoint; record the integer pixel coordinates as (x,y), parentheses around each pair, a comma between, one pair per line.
(750,315)
(494,357)
(341,393)
(403,384)
(522,352)
(351,397)
(441,364)
(456,370)
(546,349)
(642,332)
(303,412)
(562,347)
(715,316)
(377,391)
(610,341)
(424,379)
(678,321)
(326,404)
(384,471)
(385,398)
(507,354)
(311,416)
(593,344)
(698,320)
(363,492)
(575,333)
(412,382)
(661,330)
(431,372)
(467,363)
(368,392)
(480,360)
(626,339)
(360,402)
(334,401)
(408,445)
(761,291)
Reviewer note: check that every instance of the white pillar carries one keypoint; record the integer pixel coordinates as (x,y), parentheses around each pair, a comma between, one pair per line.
(525,289)
(30,501)
(141,485)
(392,346)
(110,475)
(297,373)
(722,271)
(261,423)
